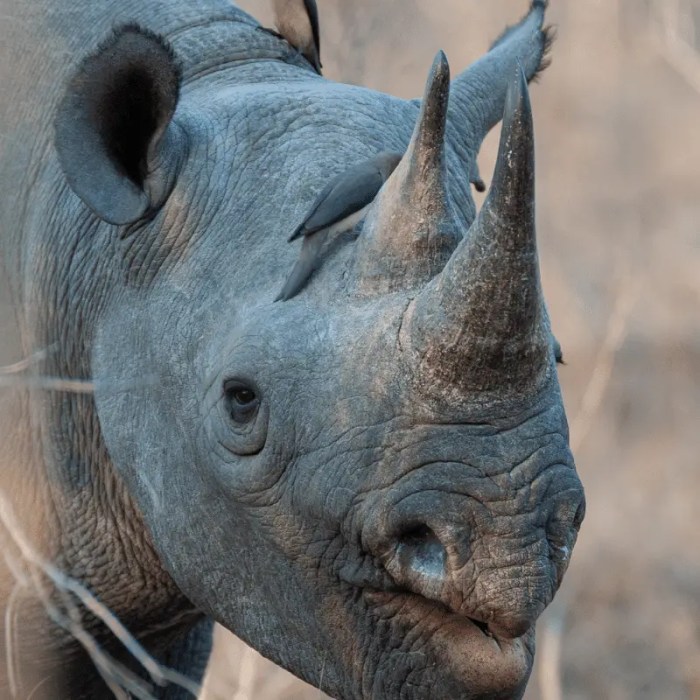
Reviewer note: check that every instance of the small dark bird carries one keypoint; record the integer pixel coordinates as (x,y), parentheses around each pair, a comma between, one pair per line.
(342,204)
(297,22)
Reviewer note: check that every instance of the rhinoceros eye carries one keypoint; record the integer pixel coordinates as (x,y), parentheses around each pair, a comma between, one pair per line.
(242,401)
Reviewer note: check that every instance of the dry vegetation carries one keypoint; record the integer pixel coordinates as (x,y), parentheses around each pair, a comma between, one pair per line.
(617,119)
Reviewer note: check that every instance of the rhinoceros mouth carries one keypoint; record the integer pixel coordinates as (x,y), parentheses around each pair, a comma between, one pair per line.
(379,589)
(409,604)
(472,657)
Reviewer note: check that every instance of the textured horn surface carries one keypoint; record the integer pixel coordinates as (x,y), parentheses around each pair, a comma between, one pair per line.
(410,232)
(481,323)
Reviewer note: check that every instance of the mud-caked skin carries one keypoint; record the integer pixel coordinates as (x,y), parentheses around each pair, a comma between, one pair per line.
(369,482)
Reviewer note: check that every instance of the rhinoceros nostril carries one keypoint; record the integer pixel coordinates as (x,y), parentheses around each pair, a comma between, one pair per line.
(417,535)
(420,551)
(483,626)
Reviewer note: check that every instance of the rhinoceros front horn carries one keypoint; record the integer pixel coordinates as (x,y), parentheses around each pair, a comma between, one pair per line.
(411,232)
(480,324)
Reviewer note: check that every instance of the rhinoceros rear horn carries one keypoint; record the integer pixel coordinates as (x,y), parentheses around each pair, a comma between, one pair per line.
(481,323)
(411,231)
(111,127)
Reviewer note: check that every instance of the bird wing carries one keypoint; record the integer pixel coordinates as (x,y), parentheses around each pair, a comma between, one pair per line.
(343,196)
(304,266)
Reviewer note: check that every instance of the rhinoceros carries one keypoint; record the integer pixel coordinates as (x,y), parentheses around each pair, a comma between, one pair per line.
(371,482)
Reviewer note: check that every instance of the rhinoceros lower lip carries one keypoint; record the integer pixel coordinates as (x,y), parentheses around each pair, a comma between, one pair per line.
(410,604)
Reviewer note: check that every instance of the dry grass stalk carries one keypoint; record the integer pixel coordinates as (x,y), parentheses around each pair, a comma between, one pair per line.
(615,333)
(72,386)
(17,374)
(551,643)
(25,363)
(32,573)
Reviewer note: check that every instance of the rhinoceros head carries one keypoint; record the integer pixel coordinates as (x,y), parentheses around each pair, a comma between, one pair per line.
(371,482)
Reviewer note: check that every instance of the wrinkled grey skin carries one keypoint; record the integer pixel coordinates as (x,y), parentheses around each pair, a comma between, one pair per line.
(383,527)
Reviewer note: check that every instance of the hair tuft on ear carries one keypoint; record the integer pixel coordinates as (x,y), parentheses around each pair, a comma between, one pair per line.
(545,38)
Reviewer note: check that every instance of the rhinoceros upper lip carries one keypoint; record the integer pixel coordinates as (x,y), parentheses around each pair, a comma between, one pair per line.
(381,589)
(377,586)
(375,595)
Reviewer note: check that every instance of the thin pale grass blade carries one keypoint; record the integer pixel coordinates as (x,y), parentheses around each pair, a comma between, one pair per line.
(161,675)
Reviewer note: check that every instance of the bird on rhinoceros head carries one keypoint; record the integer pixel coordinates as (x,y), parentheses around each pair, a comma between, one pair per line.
(339,207)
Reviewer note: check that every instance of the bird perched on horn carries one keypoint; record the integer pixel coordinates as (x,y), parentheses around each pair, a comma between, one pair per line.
(297,22)
(412,227)
(341,204)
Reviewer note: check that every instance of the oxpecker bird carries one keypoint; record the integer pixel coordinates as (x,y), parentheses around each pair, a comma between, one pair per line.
(297,22)
(341,205)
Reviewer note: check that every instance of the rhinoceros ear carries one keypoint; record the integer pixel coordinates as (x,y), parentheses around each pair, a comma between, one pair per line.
(113,130)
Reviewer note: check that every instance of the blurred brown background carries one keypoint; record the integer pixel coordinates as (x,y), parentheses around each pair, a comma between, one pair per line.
(618,127)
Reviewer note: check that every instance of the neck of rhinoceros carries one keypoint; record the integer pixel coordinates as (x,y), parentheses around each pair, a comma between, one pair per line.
(68,507)
(62,268)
